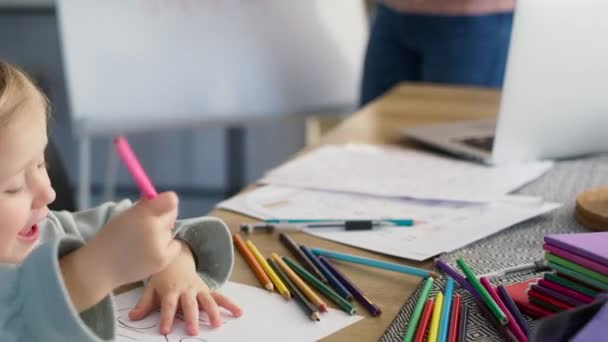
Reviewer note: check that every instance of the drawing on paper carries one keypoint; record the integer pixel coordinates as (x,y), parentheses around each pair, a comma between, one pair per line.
(147,329)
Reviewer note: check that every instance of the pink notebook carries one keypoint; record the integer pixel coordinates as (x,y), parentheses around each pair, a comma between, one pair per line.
(592,265)
(592,246)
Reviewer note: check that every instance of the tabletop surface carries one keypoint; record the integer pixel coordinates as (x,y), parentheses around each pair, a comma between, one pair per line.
(377,123)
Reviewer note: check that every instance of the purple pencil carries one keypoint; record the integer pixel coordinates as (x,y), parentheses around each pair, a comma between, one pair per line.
(459,279)
(373,309)
(508,302)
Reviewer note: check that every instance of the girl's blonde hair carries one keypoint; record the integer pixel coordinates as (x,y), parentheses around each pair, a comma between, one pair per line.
(16,87)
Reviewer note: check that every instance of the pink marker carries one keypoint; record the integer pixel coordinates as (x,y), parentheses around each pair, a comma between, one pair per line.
(139,175)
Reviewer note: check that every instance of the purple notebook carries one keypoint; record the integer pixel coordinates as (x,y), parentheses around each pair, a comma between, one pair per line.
(592,265)
(592,246)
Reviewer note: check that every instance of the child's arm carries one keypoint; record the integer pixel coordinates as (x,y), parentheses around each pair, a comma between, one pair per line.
(42,297)
(36,307)
(210,242)
(86,223)
(208,238)
(187,284)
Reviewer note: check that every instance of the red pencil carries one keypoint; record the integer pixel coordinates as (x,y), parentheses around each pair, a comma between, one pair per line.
(454,318)
(424,320)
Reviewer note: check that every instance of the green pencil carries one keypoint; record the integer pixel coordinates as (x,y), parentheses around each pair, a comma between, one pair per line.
(329,293)
(413,323)
(485,296)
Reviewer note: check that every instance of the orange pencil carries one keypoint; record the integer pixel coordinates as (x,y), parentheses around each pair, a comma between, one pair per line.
(310,294)
(255,266)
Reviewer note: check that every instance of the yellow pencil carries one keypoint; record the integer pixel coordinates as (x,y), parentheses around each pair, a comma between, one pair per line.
(269,271)
(308,292)
(434,328)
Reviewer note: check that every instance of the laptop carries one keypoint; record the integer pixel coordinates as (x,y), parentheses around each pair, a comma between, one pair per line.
(555,95)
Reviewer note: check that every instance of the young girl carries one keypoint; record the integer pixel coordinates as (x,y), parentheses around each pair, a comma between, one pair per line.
(57,269)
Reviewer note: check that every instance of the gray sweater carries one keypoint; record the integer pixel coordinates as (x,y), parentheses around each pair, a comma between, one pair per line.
(34,303)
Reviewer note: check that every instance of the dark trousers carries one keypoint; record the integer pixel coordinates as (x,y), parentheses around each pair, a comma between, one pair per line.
(465,50)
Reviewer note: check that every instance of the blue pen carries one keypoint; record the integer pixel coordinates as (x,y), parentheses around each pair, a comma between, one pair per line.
(333,281)
(374,263)
(382,222)
(446,310)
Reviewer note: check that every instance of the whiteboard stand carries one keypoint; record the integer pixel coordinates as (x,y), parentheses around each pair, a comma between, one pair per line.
(111,173)
(235,160)
(84,174)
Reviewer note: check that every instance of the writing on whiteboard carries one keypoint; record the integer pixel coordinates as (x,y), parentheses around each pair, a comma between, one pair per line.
(158,7)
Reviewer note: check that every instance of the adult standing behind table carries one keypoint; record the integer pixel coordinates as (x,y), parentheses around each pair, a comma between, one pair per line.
(440,41)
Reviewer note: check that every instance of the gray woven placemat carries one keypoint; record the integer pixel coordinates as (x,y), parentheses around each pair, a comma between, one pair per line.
(521,243)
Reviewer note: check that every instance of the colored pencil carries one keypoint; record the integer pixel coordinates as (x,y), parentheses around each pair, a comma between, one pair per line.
(137,171)
(310,294)
(373,309)
(295,250)
(485,296)
(511,324)
(316,283)
(333,281)
(444,323)
(501,328)
(418,272)
(443,266)
(511,307)
(253,264)
(415,317)
(303,303)
(273,276)
(434,329)
(424,321)
(462,325)
(455,315)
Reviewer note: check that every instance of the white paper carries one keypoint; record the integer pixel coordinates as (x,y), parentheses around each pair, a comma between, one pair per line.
(448,225)
(398,172)
(266,317)
(281,202)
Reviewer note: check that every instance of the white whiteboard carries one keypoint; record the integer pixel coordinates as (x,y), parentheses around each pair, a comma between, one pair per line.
(142,64)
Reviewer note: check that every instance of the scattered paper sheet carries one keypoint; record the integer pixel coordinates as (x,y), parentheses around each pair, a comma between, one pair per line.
(449,225)
(399,172)
(266,317)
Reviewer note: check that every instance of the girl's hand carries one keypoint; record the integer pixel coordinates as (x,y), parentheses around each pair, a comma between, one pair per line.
(179,287)
(138,242)
(130,247)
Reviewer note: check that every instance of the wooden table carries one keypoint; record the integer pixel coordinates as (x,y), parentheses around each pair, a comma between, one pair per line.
(377,123)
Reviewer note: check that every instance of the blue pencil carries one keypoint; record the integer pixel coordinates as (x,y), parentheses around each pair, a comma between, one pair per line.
(446,310)
(333,281)
(374,263)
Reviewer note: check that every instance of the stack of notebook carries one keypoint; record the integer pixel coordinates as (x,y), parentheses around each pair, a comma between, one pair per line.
(579,264)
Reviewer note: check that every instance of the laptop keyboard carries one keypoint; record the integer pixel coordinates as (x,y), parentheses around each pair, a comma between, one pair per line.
(482,143)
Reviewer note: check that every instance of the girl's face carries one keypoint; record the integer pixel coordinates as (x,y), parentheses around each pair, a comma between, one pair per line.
(25,189)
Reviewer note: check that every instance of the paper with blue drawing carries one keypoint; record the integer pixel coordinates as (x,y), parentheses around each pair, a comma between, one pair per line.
(261,312)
